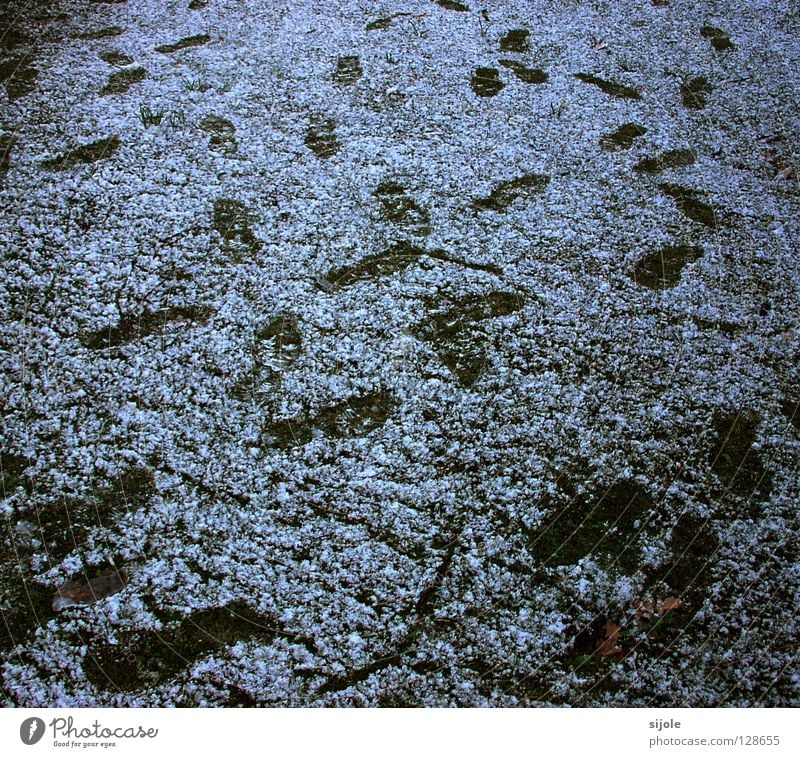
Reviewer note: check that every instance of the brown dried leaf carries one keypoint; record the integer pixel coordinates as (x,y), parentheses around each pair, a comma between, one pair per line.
(608,646)
(670,603)
(72,593)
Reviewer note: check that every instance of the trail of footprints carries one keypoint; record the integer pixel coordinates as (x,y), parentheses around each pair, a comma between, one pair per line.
(452,328)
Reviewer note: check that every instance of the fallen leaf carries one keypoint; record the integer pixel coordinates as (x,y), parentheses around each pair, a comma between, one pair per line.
(607,646)
(72,593)
(670,603)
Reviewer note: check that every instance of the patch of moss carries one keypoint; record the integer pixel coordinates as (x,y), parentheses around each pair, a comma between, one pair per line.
(348,70)
(122,81)
(486,82)
(740,469)
(88,153)
(515,41)
(320,137)
(609,87)
(19,76)
(453,332)
(505,192)
(134,327)
(115,58)
(525,74)
(670,159)
(687,201)
(662,269)
(622,138)
(194,41)
(695,92)
(232,222)
(719,39)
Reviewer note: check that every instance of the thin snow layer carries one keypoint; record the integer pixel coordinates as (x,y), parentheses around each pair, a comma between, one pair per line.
(423,445)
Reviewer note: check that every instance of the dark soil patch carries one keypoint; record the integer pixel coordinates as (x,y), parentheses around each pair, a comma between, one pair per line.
(115,58)
(279,341)
(379,23)
(122,81)
(62,527)
(146,658)
(662,269)
(223,133)
(453,5)
(515,41)
(11,37)
(12,474)
(195,5)
(358,416)
(609,87)
(7,143)
(670,159)
(693,544)
(321,137)
(395,258)
(109,31)
(89,153)
(232,223)
(454,332)
(486,82)
(24,604)
(622,138)
(739,468)
(695,92)
(606,525)
(505,192)
(348,70)
(687,201)
(132,328)
(400,209)
(791,409)
(720,41)
(19,76)
(194,41)
(525,74)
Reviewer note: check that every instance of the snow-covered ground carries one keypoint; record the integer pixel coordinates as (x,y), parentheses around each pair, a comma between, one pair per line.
(403,353)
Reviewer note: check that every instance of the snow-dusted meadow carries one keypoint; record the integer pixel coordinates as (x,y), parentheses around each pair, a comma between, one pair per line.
(401,353)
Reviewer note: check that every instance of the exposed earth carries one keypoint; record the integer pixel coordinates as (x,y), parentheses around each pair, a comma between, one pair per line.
(417,353)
